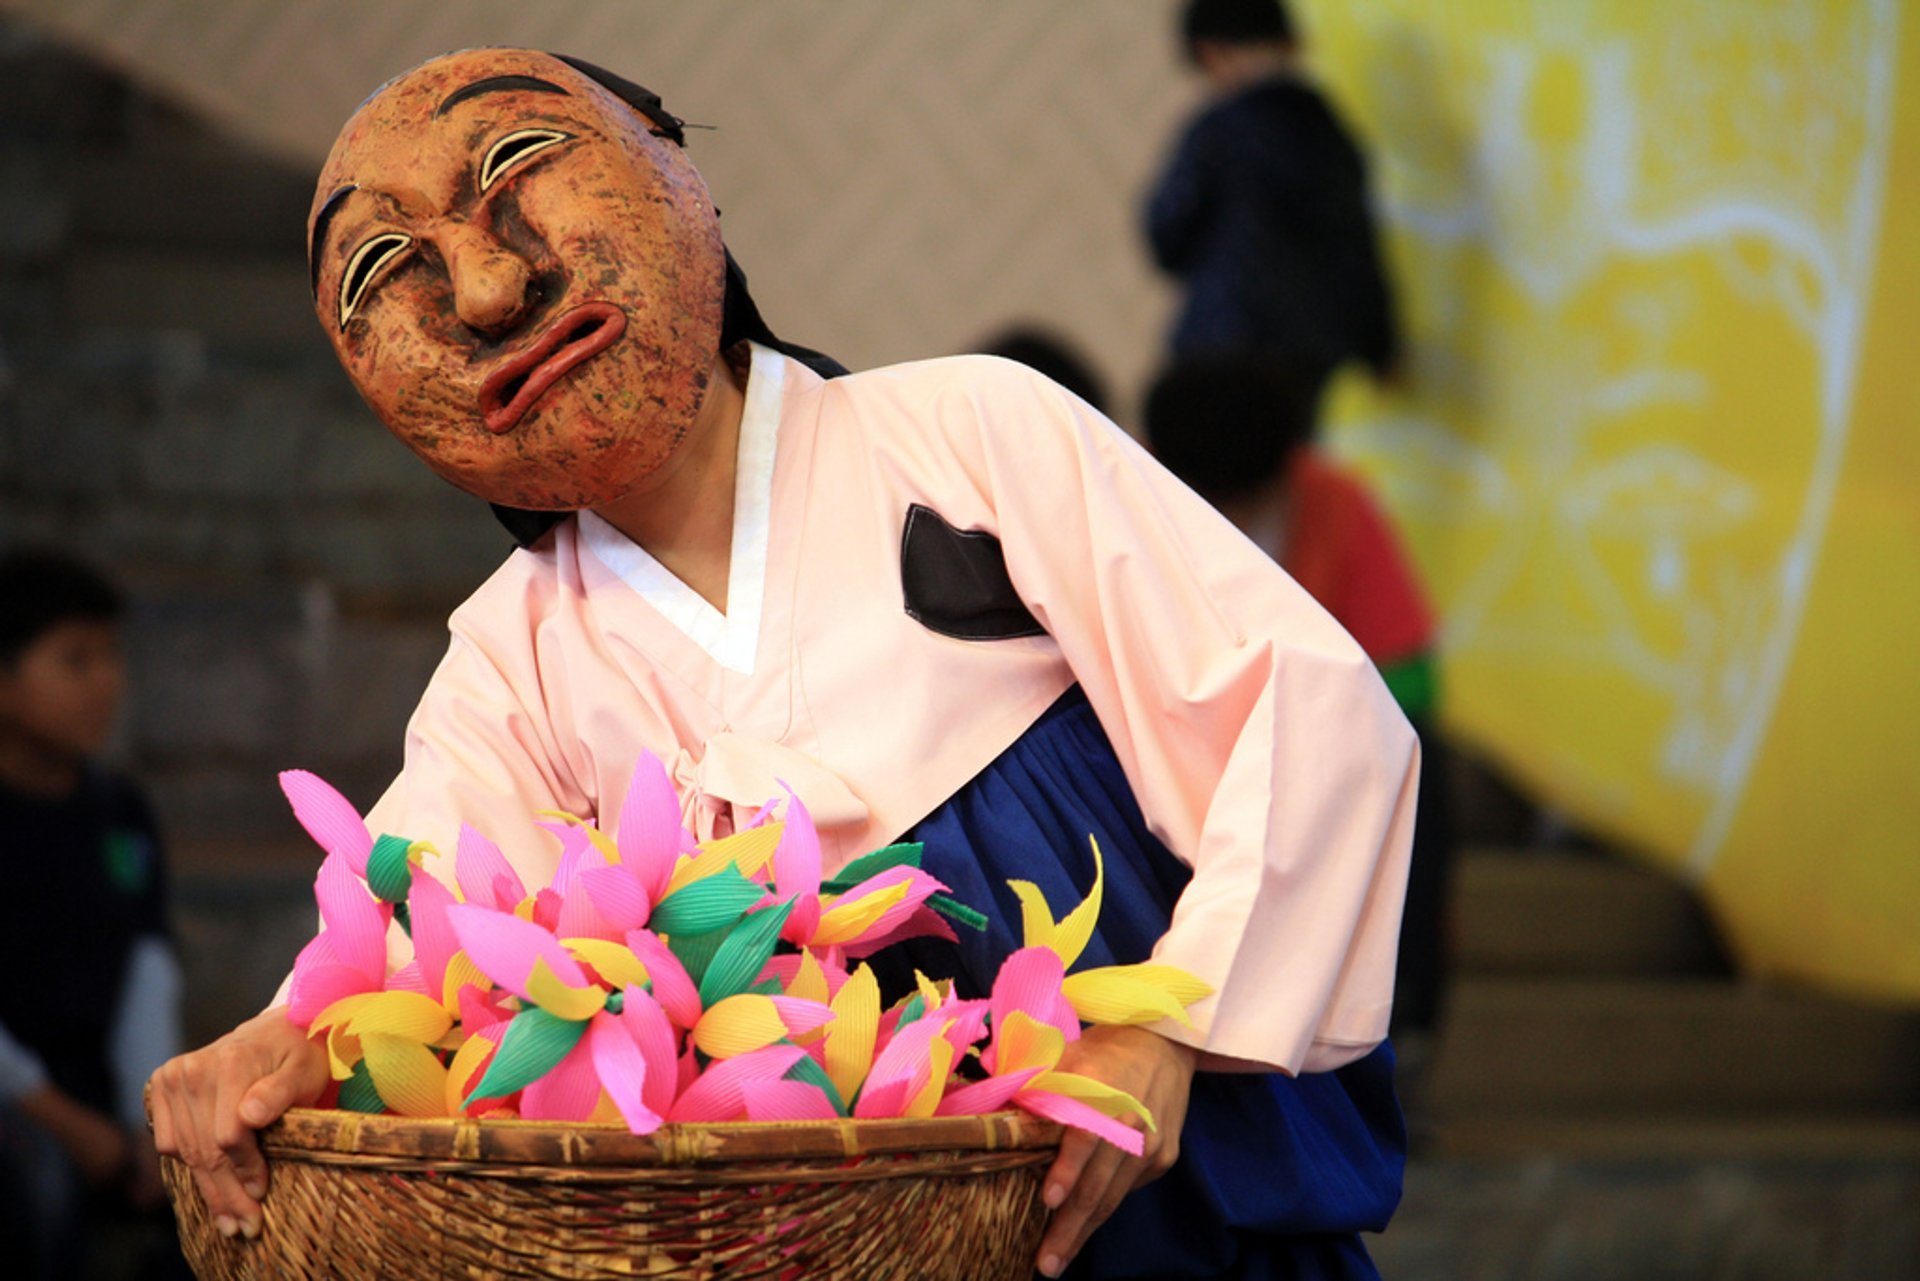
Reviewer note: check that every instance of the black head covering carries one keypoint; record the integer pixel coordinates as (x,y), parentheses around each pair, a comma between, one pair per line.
(1236,22)
(740,319)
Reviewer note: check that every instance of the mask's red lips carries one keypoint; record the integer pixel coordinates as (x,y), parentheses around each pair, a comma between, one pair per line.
(579,335)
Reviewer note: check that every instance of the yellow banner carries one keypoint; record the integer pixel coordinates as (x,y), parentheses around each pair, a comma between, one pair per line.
(1659,455)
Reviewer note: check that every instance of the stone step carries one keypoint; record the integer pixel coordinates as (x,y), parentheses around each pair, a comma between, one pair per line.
(1623,1047)
(1549,912)
(226,199)
(1775,1135)
(1678,1204)
(239,927)
(251,302)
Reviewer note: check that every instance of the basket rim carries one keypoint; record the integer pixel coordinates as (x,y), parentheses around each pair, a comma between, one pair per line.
(316,1131)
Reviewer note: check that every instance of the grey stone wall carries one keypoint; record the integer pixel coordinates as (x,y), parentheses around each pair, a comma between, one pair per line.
(169,409)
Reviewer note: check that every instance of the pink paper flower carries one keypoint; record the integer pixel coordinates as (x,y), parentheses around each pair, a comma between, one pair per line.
(647,983)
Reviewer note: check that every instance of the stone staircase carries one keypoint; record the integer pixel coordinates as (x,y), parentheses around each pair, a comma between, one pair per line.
(1608,1100)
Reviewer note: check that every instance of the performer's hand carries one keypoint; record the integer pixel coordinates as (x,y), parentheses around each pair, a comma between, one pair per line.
(1090,1176)
(206,1105)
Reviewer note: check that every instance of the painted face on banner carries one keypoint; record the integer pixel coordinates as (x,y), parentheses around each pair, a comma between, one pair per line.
(520,278)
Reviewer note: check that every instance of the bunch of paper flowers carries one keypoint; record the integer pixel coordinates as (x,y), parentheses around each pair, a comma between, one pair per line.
(660,980)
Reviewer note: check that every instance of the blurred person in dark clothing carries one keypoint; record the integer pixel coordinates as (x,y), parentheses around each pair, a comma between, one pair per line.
(89,1004)
(1262,210)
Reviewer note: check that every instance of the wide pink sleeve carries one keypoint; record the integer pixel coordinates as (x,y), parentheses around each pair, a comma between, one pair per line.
(1261,742)
(483,748)
(479,750)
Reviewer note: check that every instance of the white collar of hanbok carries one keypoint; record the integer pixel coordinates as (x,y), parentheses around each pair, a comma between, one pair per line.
(730,639)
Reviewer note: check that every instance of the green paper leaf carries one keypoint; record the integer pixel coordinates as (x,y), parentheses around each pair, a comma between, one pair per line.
(813,1074)
(743,955)
(535,1041)
(954,910)
(768,987)
(695,951)
(913,1009)
(357,1092)
(880,860)
(872,865)
(389,875)
(710,903)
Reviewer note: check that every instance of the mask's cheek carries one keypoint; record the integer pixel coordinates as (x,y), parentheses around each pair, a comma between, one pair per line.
(412,385)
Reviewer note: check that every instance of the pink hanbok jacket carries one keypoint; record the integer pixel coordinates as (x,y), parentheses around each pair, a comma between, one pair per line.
(1260,742)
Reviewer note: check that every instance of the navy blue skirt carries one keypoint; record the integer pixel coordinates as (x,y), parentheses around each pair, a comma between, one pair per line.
(1277,1175)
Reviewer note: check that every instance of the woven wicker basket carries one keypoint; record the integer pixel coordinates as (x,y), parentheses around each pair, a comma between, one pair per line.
(387,1197)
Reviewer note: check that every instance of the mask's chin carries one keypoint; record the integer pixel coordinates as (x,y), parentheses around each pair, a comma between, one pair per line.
(618,472)
(536,498)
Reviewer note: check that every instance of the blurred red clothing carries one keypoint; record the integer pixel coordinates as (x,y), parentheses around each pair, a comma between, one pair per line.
(1341,547)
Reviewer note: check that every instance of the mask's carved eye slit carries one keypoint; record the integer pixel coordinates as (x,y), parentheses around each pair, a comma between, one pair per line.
(513,148)
(366,263)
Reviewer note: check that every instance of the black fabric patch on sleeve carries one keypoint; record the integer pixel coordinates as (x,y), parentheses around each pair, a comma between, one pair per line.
(956,582)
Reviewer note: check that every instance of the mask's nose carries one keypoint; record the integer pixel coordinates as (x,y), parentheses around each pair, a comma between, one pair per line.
(489,280)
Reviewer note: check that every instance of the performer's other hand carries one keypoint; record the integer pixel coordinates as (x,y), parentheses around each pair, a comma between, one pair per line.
(205,1107)
(1090,1176)
(97,1147)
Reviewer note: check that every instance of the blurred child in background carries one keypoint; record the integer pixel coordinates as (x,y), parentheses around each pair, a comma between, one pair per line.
(89,1005)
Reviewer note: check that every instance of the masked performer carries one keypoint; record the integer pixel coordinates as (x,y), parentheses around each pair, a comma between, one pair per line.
(943,601)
